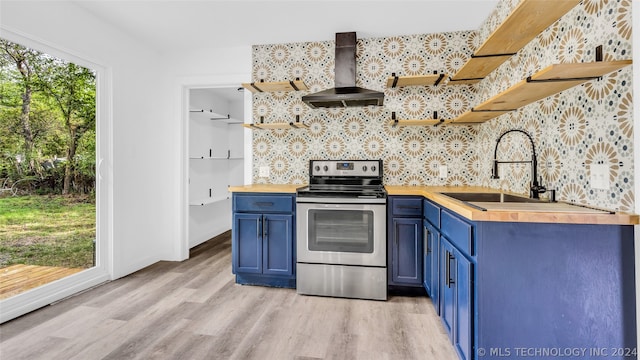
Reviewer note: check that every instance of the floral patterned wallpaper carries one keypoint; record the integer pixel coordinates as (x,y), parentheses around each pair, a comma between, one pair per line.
(591,123)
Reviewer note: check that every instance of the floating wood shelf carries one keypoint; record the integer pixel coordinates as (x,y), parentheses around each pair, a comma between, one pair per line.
(417,122)
(277,125)
(476,117)
(477,68)
(263,86)
(526,21)
(417,80)
(546,82)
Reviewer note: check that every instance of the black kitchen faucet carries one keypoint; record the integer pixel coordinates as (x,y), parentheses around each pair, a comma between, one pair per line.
(535,189)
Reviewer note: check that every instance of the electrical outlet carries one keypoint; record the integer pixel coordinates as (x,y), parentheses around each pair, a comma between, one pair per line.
(263,171)
(443,171)
(599,176)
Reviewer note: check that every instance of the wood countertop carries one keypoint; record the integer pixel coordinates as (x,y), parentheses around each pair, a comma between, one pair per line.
(267,188)
(559,212)
(544,212)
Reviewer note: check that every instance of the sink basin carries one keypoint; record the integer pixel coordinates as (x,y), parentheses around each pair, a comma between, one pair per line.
(489,197)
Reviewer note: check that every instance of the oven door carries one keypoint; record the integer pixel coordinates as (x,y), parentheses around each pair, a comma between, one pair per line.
(341,233)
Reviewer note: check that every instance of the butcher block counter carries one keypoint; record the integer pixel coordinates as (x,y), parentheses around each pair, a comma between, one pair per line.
(539,212)
(267,188)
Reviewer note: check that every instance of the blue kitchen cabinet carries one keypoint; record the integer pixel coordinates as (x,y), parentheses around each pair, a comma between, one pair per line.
(554,286)
(456,282)
(447,292)
(431,271)
(405,241)
(463,329)
(431,266)
(262,239)
(507,286)
(247,243)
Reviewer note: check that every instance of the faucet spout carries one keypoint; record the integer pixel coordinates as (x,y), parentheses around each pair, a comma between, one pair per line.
(535,189)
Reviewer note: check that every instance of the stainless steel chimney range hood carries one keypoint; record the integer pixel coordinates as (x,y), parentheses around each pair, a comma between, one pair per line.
(345,93)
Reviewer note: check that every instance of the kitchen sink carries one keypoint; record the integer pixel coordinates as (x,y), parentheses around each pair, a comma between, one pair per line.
(489,197)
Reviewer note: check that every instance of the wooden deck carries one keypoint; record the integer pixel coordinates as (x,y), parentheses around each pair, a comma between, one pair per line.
(19,278)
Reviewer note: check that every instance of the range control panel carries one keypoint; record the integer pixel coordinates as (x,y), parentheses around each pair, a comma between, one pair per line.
(355,168)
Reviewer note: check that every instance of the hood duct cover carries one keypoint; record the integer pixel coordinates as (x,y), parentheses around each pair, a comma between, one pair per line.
(345,93)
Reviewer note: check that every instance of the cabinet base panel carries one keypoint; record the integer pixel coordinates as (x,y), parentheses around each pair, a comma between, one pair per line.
(262,280)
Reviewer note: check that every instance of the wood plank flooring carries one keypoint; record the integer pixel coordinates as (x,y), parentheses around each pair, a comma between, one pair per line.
(194,310)
(19,278)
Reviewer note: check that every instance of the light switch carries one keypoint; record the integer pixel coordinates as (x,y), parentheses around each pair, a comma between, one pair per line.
(599,176)
(263,171)
(443,171)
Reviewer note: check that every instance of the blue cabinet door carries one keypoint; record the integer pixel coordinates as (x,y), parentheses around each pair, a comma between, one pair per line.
(277,256)
(246,242)
(428,257)
(406,268)
(447,286)
(431,280)
(463,333)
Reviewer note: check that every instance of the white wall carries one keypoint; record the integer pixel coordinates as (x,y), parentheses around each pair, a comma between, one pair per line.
(202,68)
(145,193)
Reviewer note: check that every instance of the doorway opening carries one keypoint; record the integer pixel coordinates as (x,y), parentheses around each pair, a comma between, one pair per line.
(215,153)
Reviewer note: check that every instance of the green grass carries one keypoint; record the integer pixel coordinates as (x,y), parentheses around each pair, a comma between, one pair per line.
(47,230)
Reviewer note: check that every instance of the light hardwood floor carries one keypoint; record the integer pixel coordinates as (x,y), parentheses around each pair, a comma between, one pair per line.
(194,310)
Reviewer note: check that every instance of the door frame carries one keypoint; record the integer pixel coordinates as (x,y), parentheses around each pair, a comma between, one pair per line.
(46,294)
(182,87)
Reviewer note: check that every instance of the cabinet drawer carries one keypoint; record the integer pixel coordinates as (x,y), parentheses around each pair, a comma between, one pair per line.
(431,212)
(459,232)
(406,206)
(263,203)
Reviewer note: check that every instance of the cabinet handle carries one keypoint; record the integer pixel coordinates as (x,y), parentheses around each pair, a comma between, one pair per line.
(427,250)
(259,228)
(446,270)
(408,207)
(449,279)
(265,230)
(263,203)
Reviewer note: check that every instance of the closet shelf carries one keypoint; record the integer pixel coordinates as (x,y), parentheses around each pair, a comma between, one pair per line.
(415,80)
(211,157)
(525,22)
(274,86)
(546,82)
(209,201)
(209,114)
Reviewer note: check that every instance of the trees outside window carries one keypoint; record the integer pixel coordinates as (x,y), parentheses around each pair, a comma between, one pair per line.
(47,166)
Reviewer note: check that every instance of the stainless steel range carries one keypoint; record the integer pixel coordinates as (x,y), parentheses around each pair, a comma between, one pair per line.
(341,230)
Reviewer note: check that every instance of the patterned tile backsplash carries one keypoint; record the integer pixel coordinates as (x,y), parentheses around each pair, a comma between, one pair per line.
(585,125)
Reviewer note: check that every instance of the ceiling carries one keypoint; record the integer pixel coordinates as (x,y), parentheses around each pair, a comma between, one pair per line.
(181,25)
